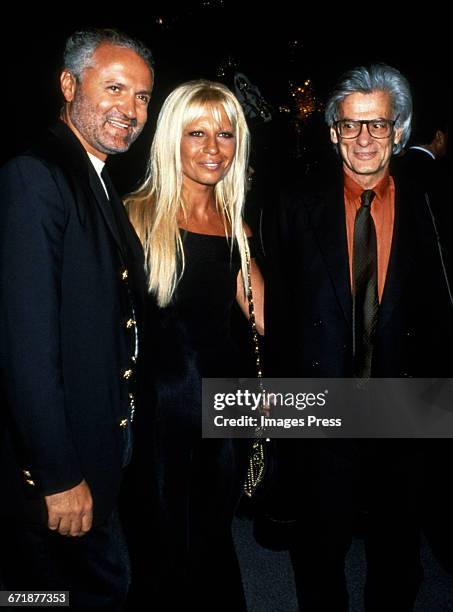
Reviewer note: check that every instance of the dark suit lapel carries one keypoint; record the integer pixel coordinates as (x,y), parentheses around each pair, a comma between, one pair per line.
(105,207)
(130,243)
(62,147)
(402,256)
(81,174)
(127,233)
(329,226)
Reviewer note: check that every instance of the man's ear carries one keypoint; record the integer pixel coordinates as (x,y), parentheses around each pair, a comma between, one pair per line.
(333,135)
(439,137)
(397,135)
(68,85)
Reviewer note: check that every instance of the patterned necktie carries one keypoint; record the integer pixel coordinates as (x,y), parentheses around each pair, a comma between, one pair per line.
(365,291)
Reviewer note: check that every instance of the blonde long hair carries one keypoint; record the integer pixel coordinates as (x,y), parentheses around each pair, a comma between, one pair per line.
(153,208)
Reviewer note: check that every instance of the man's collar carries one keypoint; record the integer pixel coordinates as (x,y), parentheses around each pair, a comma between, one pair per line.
(97,163)
(420,148)
(354,190)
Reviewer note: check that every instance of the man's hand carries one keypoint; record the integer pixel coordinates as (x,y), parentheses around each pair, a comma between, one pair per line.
(71,512)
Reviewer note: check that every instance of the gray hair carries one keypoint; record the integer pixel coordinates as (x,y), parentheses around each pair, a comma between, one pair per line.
(377,77)
(81,45)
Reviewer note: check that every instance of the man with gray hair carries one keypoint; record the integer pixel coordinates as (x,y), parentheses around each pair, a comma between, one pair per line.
(71,296)
(354,259)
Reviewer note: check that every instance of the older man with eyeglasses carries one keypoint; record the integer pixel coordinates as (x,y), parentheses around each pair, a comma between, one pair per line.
(354,258)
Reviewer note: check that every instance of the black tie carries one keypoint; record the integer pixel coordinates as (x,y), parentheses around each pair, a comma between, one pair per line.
(365,291)
(116,206)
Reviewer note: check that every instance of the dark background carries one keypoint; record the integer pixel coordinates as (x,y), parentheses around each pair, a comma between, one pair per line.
(277,46)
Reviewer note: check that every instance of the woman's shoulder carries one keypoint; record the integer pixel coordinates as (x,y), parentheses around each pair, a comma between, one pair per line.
(247,230)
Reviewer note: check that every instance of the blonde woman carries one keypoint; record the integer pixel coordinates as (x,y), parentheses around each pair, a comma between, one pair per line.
(188,214)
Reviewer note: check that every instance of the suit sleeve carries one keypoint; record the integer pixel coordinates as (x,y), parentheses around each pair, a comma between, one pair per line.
(32,229)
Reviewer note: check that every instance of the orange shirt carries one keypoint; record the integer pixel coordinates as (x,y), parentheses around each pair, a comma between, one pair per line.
(383,213)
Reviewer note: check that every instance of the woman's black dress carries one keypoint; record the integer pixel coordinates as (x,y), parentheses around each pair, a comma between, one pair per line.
(197,481)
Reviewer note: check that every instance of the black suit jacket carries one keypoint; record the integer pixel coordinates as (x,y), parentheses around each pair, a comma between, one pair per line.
(308,295)
(431,177)
(69,284)
(418,166)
